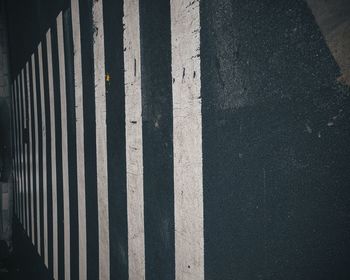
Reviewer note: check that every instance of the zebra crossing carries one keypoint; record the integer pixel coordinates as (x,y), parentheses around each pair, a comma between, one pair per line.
(166,140)
(62,166)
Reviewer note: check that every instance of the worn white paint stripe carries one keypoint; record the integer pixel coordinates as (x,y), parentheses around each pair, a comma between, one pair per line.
(65,170)
(53,156)
(36,143)
(15,99)
(79,139)
(20,148)
(44,170)
(21,109)
(187,131)
(30,143)
(133,126)
(19,163)
(12,145)
(15,133)
(20,152)
(15,143)
(24,214)
(16,147)
(25,152)
(101,139)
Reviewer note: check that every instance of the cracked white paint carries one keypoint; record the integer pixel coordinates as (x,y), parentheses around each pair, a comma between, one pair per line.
(36,142)
(101,139)
(53,156)
(133,126)
(44,169)
(64,131)
(187,133)
(79,138)
(30,163)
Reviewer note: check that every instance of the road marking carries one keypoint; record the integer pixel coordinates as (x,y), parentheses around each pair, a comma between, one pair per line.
(79,138)
(30,143)
(187,131)
(44,170)
(26,196)
(36,143)
(65,168)
(133,129)
(53,155)
(101,139)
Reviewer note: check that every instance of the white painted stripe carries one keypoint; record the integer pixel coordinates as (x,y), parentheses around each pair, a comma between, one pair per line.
(44,169)
(133,126)
(16,147)
(36,143)
(30,143)
(21,93)
(14,123)
(20,148)
(15,143)
(79,138)
(65,170)
(53,156)
(12,146)
(18,180)
(101,139)
(26,192)
(187,131)
(19,163)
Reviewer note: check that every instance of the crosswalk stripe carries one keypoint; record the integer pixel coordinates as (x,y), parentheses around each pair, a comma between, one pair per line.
(65,171)
(187,131)
(36,143)
(133,126)
(101,139)
(79,137)
(44,170)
